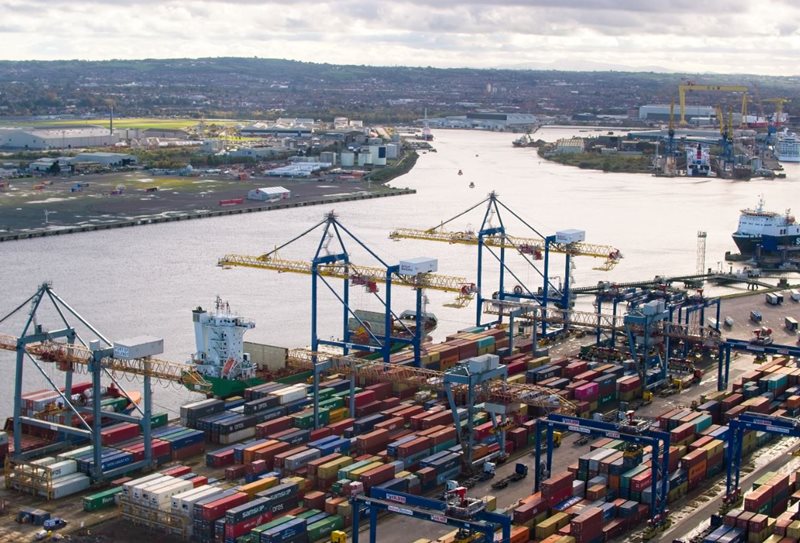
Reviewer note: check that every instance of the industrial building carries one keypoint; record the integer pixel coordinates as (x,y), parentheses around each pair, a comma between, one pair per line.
(281,127)
(660,112)
(109,160)
(57,138)
(484,120)
(269,193)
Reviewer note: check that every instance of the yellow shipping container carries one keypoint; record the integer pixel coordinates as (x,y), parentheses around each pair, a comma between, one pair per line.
(551,525)
(356,473)
(793,530)
(491,502)
(303,484)
(251,489)
(344,510)
(518,379)
(338,414)
(566,539)
(330,469)
(775,538)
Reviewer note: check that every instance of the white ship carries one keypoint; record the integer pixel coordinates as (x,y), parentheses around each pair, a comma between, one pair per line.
(765,231)
(219,337)
(698,163)
(787,148)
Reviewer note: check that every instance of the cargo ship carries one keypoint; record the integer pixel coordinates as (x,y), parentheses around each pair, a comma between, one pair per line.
(765,231)
(220,356)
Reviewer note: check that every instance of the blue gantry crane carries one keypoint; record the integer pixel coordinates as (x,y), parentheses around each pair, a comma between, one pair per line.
(751,347)
(469,515)
(631,431)
(102,358)
(746,422)
(538,246)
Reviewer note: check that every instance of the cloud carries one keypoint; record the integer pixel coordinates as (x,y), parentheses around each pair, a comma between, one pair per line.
(681,35)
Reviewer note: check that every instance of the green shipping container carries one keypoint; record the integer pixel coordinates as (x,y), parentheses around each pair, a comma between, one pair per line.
(332,403)
(301,377)
(101,500)
(264,527)
(324,527)
(325,393)
(158,419)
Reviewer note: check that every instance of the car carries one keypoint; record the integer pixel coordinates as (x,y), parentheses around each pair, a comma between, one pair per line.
(54,523)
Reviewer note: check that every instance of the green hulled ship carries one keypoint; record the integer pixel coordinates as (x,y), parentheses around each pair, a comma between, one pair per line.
(220,356)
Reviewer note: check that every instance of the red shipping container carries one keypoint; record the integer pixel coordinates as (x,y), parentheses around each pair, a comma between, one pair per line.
(377,476)
(267,454)
(256,467)
(216,509)
(313,465)
(416,420)
(234,472)
(200,480)
(447,434)
(188,452)
(338,428)
(444,417)
(368,409)
(118,433)
(413,447)
(232,531)
(408,412)
(391,424)
(266,429)
(382,391)
(390,402)
(530,507)
(282,456)
(314,500)
(319,433)
(177,471)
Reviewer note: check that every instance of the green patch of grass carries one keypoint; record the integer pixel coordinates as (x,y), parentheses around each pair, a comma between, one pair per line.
(134,122)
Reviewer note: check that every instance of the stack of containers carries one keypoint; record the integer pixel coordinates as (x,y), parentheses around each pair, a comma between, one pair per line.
(184,442)
(191,412)
(208,510)
(557,488)
(588,526)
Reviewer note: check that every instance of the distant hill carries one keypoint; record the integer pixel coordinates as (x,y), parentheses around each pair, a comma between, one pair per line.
(268,88)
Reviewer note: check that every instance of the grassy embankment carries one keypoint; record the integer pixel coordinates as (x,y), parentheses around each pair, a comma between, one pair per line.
(605,163)
(402,167)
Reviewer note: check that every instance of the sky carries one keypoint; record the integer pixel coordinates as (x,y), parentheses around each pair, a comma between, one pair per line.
(718,36)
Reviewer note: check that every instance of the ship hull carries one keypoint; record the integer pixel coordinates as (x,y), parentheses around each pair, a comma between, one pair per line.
(225,388)
(749,244)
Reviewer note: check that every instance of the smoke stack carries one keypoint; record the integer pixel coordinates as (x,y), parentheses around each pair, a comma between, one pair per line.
(111,122)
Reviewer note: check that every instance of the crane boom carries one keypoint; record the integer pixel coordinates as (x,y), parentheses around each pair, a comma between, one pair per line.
(446,283)
(523,245)
(688,87)
(533,395)
(68,354)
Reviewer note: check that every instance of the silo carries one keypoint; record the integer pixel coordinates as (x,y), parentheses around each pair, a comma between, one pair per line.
(348,159)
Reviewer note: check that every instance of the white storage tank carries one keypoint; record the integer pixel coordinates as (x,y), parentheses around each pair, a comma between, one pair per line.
(348,159)
(364,158)
(392,151)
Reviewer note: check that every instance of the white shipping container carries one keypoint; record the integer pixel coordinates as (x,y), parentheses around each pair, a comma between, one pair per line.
(570,235)
(139,490)
(46,461)
(235,437)
(66,486)
(138,347)
(415,266)
(148,493)
(179,499)
(128,487)
(63,468)
(292,395)
(187,505)
(163,498)
(795,295)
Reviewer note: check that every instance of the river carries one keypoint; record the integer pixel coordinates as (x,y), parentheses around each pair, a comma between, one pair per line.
(146,280)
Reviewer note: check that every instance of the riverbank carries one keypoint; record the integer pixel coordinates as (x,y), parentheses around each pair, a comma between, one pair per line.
(402,167)
(384,192)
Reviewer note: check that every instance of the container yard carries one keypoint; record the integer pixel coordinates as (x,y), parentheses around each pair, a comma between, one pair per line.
(668,415)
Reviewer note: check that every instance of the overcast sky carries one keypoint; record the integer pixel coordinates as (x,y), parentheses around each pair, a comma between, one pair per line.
(727,36)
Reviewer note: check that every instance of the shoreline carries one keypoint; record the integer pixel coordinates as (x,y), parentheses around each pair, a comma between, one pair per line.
(387,192)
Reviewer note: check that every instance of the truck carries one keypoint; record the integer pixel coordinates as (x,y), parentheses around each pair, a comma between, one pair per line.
(755,316)
(773,299)
(791,324)
(795,295)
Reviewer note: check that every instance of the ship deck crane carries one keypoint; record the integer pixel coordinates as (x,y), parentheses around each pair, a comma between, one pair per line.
(489,237)
(99,357)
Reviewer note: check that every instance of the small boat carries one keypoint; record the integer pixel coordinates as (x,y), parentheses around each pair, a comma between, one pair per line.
(460,172)
(472,184)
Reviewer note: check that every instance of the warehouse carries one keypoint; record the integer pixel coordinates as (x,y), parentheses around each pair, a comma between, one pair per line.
(660,112)
(57,138)
(269,194)
(109,160)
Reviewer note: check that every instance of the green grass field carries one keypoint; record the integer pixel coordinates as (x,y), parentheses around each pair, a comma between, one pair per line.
(131,122)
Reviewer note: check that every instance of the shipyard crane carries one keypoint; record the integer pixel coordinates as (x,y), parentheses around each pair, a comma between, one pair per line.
(99,358)
(691,87)
(726,136)
(489,237)
(334,262)
(779,102)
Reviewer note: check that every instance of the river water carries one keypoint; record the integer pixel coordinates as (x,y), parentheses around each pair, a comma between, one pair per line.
(146,280)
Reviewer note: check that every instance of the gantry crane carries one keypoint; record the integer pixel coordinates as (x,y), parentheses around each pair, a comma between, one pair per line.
(568,242)
(778,108)
(335,263)
(691,87)
(99,357)
(726,136)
